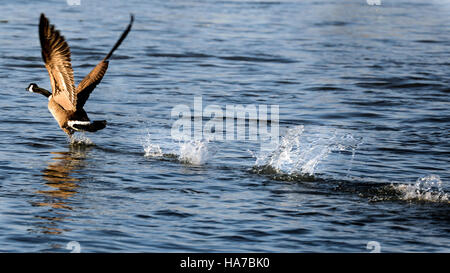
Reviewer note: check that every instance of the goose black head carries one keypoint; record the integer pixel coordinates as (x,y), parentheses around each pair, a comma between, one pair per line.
(32,87)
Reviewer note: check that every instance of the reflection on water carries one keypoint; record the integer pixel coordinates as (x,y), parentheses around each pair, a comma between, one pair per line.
(62,184)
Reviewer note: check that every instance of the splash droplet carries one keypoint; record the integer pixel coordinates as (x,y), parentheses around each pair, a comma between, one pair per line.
(194,152)
(300,153)
(427,188)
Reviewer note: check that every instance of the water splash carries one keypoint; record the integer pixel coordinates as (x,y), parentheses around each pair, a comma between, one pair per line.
(191,152)
(80,140)
(427,188)
(150,149)
(300,153)
(194,152)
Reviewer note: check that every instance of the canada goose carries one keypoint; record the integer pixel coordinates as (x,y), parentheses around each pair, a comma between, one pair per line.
(66,102)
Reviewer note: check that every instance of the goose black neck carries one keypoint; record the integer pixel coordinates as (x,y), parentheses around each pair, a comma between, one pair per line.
(43,92)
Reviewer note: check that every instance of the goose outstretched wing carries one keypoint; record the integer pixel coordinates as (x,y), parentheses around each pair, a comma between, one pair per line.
(88,84)
(56,55)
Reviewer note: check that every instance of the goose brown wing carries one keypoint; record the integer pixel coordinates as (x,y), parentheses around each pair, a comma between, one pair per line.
(56,55)
(88,84)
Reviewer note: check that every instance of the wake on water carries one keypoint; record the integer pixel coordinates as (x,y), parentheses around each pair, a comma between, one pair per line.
(296,153)
(297,157)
